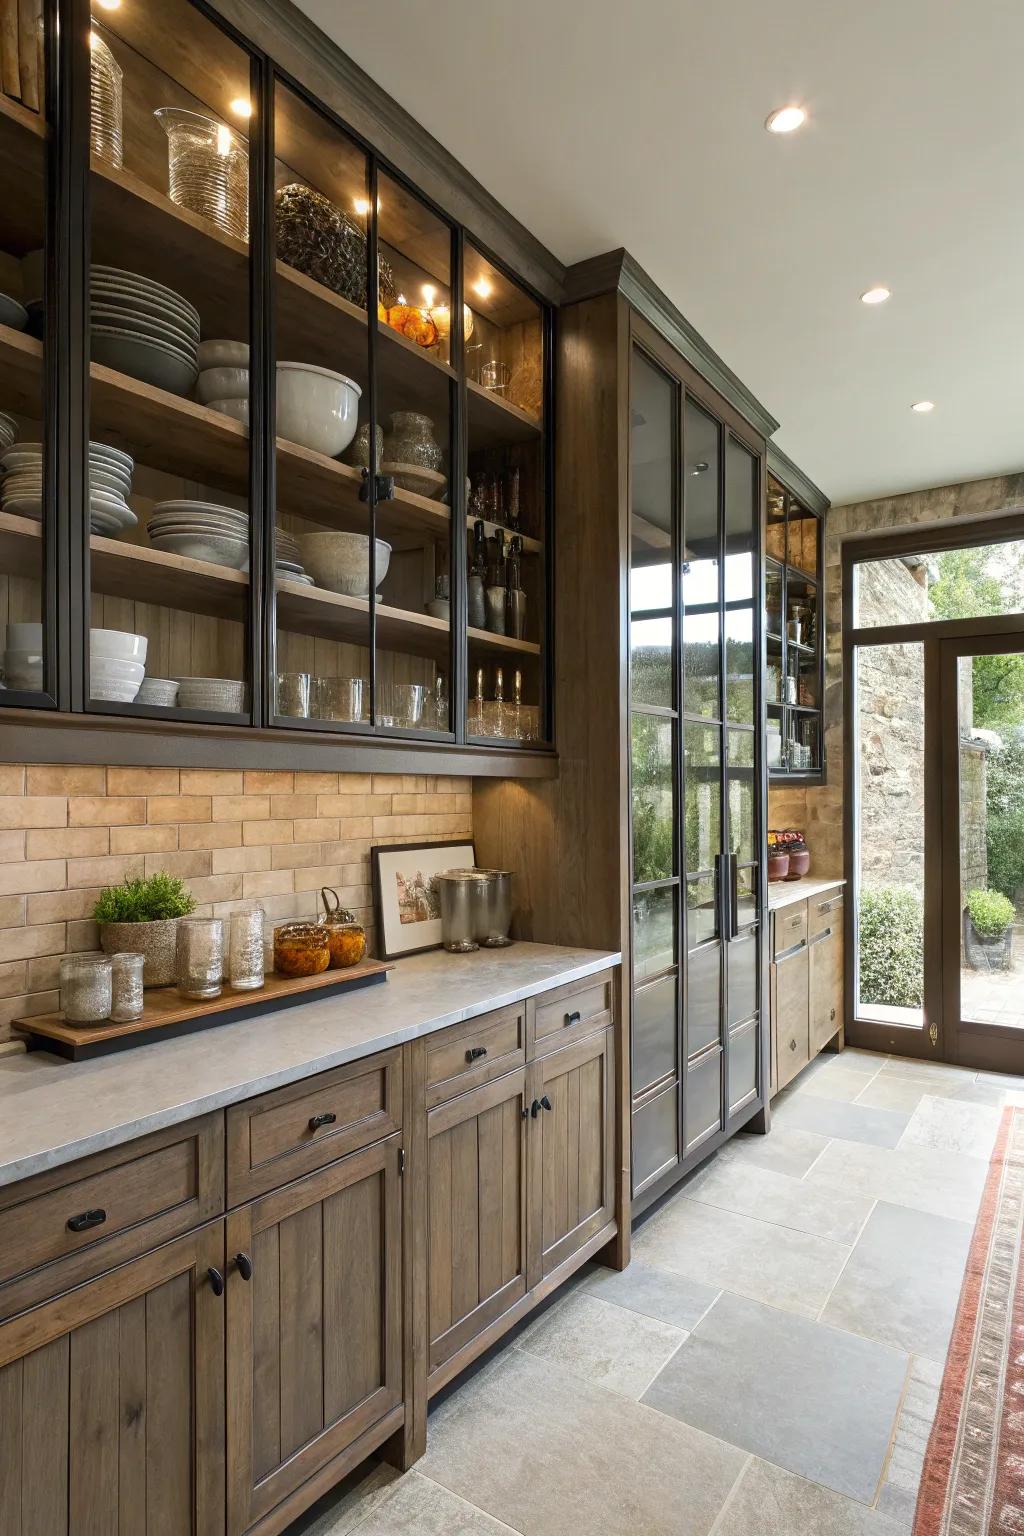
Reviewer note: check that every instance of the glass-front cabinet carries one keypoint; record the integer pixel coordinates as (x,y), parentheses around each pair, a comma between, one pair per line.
(696,803)
(794,616)
(306,480)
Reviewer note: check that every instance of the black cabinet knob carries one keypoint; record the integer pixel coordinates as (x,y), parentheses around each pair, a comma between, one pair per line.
(243,1263)
(216,1281)
(572,1018)
(792,1045)
(86,1219)
(545,1102)
(327,1118)
(535,1108)
(475,1052)
(832,1014)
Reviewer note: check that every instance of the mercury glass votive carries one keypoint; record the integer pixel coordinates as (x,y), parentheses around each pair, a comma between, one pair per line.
(85,988)
(126,986)
(199,961)
(245,949)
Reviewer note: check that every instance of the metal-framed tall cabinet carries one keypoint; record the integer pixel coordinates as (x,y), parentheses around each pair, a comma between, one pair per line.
(650,840)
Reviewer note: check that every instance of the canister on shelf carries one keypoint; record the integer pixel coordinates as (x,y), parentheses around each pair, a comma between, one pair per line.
(346,936)
(199,958)
(462,894)
(85,988)
(245,949)
(127,992)
(301,949)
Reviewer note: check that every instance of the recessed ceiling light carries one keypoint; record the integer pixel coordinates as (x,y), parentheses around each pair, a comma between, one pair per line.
(876,295)
(786,119)
(923,406)
(241,106)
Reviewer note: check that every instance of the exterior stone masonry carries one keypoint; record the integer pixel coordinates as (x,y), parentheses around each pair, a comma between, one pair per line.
(65,832)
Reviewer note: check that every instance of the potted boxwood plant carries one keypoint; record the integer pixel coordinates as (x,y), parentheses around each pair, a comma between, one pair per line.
(988,930)
(142,915)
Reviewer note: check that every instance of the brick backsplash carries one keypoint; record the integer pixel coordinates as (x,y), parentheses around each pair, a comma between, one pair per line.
(232,836)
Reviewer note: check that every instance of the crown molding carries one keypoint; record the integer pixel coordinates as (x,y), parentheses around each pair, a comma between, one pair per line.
(793,478)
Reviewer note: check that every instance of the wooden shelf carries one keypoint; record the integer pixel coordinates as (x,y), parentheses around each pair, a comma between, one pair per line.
(21,546)
(136,571)
(333,616)
(22,178)
(493,421)
(530,546)
(482,639)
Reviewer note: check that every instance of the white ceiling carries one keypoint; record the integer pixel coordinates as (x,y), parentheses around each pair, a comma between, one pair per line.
(602,123)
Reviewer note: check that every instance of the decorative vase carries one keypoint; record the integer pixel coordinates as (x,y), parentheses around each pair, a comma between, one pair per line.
(411,441)
(208,168)
(154,941)
(358,454)
(778,866)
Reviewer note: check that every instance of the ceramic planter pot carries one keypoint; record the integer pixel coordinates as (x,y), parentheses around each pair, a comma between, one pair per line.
(778,866)
(799,863)
(156,941)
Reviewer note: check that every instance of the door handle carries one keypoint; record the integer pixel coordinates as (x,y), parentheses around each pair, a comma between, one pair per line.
(327,1118)
(475,1052)
(216,1281)
(535,1109)
(572,1018)
(734,896)
(86,1219)
(243,1263)
(545,1103)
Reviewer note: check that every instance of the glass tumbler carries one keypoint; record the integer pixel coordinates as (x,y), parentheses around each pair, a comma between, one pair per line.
(127,986)
(245,949)
(85,988)
(199,960)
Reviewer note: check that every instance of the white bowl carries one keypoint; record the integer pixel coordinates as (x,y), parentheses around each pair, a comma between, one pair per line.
(316,408)
(222,384)
(25,636)
(118,644)
(238,409)
(223,354)
(107,669)
(341,561)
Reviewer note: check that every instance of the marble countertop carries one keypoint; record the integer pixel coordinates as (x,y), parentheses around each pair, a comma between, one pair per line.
(53,1111)
(782,893)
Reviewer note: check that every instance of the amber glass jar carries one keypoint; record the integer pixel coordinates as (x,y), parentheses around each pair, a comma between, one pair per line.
(346,935)
(301,949)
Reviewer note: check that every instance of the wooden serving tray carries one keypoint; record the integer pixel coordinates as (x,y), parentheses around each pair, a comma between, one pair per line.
(167,1014)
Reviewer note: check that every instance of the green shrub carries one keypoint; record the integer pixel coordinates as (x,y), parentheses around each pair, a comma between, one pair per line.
(991,913)
(891,930)
(1004,826)
(144,901)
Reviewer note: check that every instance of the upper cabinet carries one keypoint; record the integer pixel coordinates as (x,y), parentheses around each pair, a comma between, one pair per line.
(795,621)
(293,468)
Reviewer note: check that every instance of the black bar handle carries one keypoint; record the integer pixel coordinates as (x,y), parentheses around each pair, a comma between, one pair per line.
(243,1264)
(327,1118)
(545,1102)
(475,1052)
(216,1281)
(734,896)
(87,1219)
(572,1018)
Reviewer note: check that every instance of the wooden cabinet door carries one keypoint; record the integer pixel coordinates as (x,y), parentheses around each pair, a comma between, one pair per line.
(112,1402)
(826,988)
(790,1000)
(476,1221)
(314,1347)
(572,1150)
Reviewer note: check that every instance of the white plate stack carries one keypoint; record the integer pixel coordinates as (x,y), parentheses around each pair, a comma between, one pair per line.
(143,329)
(288,565)
(8,431)
(117,664)
(23,658)
(110,482)
(202,531)
(223,382)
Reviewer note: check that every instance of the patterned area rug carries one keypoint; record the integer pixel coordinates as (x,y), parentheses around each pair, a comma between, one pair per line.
(973,1480)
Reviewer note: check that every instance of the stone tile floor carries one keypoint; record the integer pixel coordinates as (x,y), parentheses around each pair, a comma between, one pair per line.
(768,1365)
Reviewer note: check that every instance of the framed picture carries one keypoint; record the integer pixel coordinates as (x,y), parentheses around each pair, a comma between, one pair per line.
(405,895)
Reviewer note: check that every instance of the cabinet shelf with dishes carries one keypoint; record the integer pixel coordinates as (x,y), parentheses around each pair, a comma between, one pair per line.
(449,355)
(794,587)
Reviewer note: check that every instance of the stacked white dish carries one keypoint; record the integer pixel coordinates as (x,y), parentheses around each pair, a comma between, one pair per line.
(202,531)
(225,694)
(23,658)
(223,383)
(143,329)
(288,565)
(316,408)
(8,431)
(110,482)
(117,664)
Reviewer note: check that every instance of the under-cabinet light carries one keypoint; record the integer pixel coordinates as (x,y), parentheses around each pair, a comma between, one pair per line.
(241,106)
(483,288)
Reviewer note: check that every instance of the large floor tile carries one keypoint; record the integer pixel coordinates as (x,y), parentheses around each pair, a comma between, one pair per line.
(898,1494)
(990,1093)
(785,1148)
(853,1059)
(770,1502)
(417,1506)
(925,1180)
(660,1293)
(779,1198)
(802,1395)
(833,1077)
(554,1456)
(788,1269)
(908,1066)
(950,1125)
(887,1091)
(345,1507)
(828,1117)
(903,1280)
(602,1342)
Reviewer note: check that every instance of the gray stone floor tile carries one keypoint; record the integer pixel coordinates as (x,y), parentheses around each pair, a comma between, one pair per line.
(785,1149)
(851,1122)
(770,1502)
(660,1293)
(887,1091)
(989,1093)
(950,1125)
(903,1280)
(919,1177)
(853,1059)
(907,1066)
(804,1396)
(551,1455)
(898,1506)
(417,1506)
(779,1198)
(344,1509)
(789,1269)
(604,1343)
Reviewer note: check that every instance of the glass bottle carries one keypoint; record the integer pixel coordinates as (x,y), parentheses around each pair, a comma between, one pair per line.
(498,712)
(515,597)
(515,721)
(477,723)
(476,603)
(512,503)
(496,585)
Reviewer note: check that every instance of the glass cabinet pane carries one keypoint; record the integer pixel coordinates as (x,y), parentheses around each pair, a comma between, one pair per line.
(802,539)
(703,997)
(653,790)
(652,533)
(655,1033)
(25,664)
(702,833)
(775,531)
(654,932)
(702,668)
(504,348)
(742,517)
(169,329)
(742,796)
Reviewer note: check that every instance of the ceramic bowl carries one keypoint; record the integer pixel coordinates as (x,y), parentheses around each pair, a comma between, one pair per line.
(220,693)
(160,691)
(222,384)
(223,354)
(216,548)
(238,409)
(25,636)
(341,561)
(118,644)
(23,675)
(12,313)
(107,669)
(316,408)
(151,361)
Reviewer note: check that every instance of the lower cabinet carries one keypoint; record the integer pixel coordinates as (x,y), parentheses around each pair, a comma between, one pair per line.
(314,1325)
(112,1401)
(806,982)
(790,1010)
(825,987)
(571,1152)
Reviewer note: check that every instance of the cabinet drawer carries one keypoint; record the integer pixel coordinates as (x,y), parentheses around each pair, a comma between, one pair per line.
(570,1012)
(825,911)
(466,1055)
(294,1130)
(65,1227)
(789,927)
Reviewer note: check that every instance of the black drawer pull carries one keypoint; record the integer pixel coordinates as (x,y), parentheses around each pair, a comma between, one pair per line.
(216,1281)
(327,1118)
(85,1220)
(545,1103)
(535,1108)
(244,1265)
(475,1052)
(792,1045)
(572,1018)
